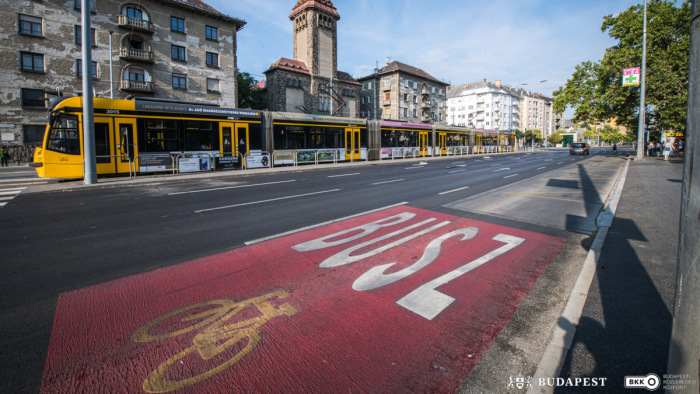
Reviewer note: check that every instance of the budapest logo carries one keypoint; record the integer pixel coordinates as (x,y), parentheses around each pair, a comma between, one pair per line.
(520,382)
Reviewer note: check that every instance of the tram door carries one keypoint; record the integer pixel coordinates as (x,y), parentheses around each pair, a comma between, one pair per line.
(233,140)
(125,143)
(423,143)
(103,148)
(352,144)
(479,142)
(442,143)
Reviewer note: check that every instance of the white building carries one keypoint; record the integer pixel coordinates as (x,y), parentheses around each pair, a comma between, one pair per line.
(483,105)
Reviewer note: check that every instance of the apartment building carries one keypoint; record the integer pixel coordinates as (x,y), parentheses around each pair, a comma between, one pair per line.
(169,49)
(401,92)
(495,106)
(483,105)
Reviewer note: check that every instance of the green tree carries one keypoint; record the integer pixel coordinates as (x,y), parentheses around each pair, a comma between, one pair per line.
(249,96)
(556,138)
(595,89)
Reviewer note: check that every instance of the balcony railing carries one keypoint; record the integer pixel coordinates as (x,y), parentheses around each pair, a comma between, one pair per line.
(136,54)
(425,92)
(135,23)
(137,86)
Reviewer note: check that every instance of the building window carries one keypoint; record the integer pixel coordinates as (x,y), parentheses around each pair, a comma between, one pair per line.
(387,96)
(415,99)
(133,12)
(136,74)
(212,59)
(387,82)
(178,53)
(30,26)
(79,36)
(369,100)
(414,113)
(415,85)
(405,97)
(33,62)
(34,133)
(213,85)
(405,83)
(212,33)
(78,5)
(179,81)
(177,24)
(79,68)
(362,100)
(369,85)
(33,98)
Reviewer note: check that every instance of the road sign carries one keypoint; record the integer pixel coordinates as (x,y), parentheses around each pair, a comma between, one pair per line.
(398,300)
(631,76)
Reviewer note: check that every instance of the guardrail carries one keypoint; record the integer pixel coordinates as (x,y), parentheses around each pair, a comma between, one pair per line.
(138,158)
(113,156)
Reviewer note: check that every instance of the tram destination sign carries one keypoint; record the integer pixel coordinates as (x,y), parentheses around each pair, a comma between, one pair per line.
(193,109)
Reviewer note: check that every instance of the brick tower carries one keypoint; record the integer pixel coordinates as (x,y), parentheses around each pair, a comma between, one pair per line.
(316,36)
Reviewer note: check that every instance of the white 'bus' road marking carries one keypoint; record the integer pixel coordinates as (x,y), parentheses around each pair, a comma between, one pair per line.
(229,187)
(337,176)
(509,176)
(454,190)
(322,224)
(264,201)
(381,183)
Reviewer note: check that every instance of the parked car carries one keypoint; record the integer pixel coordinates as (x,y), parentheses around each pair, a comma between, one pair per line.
(579,148)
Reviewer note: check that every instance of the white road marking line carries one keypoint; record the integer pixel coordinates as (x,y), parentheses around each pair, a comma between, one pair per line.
(7,192)
(502,169)
(454,190)
(452,172)
(264,201)
(338,176)
(230,187)
(322,224)
(510,176)
(542,167)
(381,183)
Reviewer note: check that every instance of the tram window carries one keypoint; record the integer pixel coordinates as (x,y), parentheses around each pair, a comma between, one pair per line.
(334,138)
(102,143)
(255,136)
(200,136)
(64,135)
(162,136)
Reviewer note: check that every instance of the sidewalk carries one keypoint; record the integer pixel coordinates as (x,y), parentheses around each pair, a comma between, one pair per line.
(625,327)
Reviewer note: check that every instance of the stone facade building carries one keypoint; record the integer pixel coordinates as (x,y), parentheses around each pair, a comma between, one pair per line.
(311,83)
(401,92)
(169,49)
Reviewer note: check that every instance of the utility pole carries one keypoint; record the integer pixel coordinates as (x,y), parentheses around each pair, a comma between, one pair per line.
(684,352)
(90,162)
(642,92)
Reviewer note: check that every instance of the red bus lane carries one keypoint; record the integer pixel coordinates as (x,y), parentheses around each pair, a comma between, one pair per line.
(401,299)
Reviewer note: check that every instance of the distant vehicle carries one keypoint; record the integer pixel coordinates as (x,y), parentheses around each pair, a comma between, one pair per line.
(579,148)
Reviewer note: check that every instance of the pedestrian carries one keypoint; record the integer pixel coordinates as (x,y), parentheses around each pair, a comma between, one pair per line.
(681,145)
(4,156)
(668,149)
(650,149)
(658,149)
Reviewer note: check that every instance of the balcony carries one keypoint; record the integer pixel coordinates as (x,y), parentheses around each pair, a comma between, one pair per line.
(425,105)
(137,86)
(425,119)
(135,24)
(387,103)
(386,88)
(425,92)
(136,54)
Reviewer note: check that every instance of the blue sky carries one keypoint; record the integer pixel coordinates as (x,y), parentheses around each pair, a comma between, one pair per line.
(457,41)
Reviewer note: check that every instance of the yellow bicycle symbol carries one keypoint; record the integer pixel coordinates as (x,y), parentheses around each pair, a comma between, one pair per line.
(213,340)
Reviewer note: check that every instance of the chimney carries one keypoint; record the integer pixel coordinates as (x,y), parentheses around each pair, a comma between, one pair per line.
(498,84)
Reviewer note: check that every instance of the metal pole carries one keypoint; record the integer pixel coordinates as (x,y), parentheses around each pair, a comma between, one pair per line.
(111,67)
(642,92)
(90,163)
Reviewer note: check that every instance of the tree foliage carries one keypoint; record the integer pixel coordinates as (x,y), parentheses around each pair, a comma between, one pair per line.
(249,96)
(595,88)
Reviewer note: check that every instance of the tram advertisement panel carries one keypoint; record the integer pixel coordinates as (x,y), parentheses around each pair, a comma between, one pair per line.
(155,162)
(258,161)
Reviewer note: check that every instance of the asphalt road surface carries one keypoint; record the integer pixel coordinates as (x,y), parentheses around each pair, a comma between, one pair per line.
(409,275)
